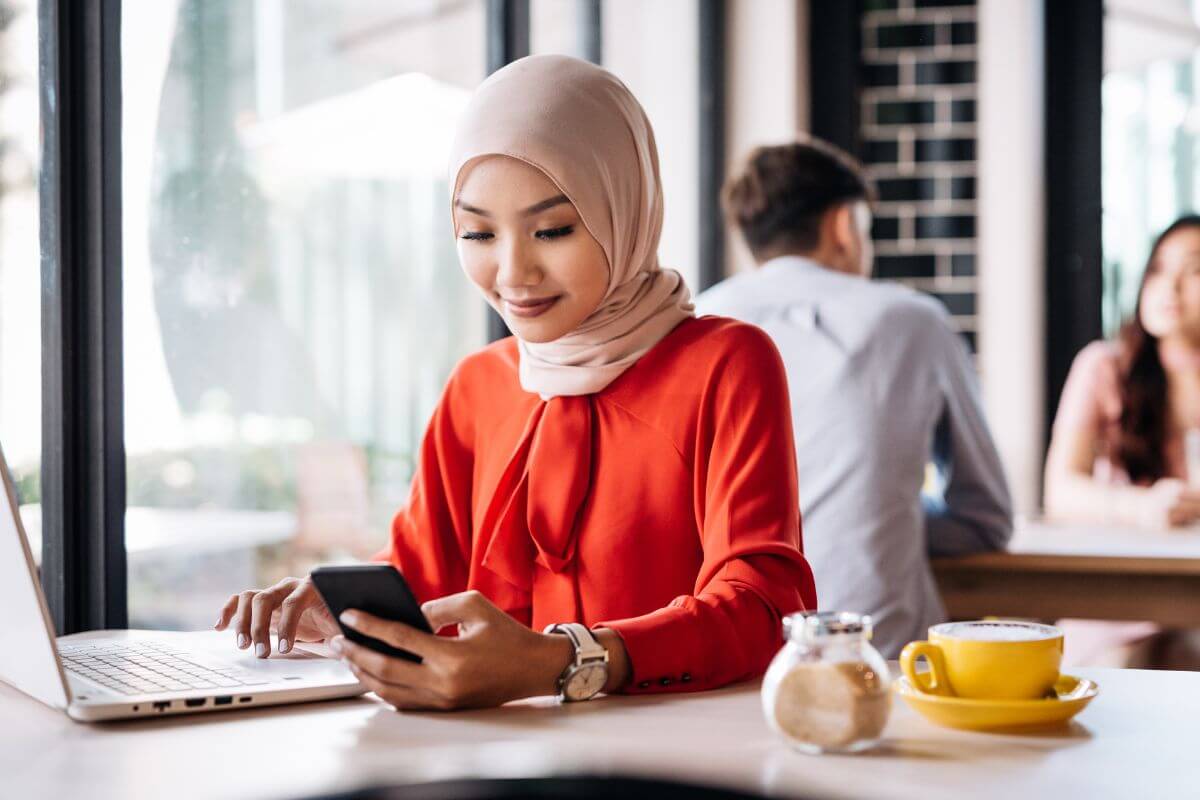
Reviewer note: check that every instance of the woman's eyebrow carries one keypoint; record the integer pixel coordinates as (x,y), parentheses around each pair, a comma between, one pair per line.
(471,209)
(549,202)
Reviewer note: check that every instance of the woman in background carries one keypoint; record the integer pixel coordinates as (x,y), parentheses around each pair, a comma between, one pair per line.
(617,463)
(1118,452)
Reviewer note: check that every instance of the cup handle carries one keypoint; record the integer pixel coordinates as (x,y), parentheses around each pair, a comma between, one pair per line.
(932,682)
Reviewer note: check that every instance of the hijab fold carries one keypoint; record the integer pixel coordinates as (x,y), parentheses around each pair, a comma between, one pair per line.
(581,127)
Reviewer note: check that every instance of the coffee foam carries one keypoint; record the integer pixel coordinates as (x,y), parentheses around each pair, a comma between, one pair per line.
(998,631)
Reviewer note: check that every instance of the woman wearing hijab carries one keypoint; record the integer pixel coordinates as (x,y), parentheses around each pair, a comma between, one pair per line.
(618,474)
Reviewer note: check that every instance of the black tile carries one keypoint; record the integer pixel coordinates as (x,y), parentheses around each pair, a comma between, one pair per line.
(906,189)
(962,33)
(943,3)
(945,72)
(889,37)
(962,188)
(905,266)
(960,304)
(904,113)
(959,149)
(880,74)
(962,110)
(962,264)
(880,152)
(885,228)
(880,5)
(954,226)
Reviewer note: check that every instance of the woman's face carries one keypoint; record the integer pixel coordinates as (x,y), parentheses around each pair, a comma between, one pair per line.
(1170,305)
(524,245)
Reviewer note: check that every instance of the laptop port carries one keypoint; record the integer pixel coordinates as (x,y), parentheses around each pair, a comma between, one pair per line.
(244,699)
(195,702)
(223,700)
(162,705)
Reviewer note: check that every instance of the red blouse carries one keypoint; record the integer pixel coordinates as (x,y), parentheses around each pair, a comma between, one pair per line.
(664,507)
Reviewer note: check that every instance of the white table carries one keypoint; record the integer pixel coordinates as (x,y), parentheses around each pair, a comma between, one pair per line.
(1137,739)
(1054,571)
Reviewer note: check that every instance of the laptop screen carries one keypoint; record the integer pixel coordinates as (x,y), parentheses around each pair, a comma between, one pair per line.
(28,658)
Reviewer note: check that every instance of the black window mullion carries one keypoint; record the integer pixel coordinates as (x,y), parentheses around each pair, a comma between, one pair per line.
(591,30)
(507,40)
(83,450)
(712,141)
(834,43)
(1074,67)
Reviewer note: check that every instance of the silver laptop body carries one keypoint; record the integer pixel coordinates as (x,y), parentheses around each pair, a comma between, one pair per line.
(123,674)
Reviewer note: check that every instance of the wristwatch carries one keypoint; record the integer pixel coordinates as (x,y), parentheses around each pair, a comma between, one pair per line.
(586,675)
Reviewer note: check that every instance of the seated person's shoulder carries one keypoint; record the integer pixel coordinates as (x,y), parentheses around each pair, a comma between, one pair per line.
(730,296)
(899,302)
(1101,356)
(488,369)
(717,341)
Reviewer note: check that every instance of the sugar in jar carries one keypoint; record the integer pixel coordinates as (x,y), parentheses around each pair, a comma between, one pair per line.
(828,689)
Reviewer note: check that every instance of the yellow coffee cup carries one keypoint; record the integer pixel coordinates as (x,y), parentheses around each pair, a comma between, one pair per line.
(986,659)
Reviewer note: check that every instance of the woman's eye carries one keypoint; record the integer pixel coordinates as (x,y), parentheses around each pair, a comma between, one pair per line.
(476,236)
(555,233)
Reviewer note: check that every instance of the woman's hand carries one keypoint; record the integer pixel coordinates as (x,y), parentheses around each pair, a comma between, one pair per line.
(292,607)
(1169,503)
(494,658)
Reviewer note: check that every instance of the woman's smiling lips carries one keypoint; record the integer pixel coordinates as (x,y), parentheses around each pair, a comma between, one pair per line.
(530,307)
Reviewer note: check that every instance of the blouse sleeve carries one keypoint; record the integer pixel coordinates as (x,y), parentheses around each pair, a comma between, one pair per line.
(431,534)
(1091,395)
(753,571)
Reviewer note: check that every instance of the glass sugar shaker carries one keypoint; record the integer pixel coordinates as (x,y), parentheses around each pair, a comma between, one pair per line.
(828,689)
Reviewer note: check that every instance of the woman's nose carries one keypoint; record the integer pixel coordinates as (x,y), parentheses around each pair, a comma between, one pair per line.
(517,267)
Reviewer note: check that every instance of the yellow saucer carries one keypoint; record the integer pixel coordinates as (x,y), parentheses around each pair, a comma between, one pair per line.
(1073,694)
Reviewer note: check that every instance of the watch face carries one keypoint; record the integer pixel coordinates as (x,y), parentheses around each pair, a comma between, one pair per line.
(586,681)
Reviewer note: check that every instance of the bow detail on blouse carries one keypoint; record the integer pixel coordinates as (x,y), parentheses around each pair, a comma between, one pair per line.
(534,512)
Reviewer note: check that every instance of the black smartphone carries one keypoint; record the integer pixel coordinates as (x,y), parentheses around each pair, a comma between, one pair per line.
(378,589)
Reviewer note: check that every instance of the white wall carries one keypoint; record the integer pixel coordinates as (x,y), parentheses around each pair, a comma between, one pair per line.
(652,47)
(766,45)
(1011,214)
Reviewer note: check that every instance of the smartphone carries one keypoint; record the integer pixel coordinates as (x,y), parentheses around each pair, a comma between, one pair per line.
(377,589)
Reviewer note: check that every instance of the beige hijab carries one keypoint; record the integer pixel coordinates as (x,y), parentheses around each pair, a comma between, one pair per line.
(583,128)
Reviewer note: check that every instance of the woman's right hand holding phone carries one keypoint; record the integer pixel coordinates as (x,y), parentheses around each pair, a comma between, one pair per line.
(293,608)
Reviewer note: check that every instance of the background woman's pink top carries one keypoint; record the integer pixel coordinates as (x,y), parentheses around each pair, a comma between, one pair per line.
(1091,402)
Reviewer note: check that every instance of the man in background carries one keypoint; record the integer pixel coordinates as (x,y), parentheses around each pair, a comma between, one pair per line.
(881,387)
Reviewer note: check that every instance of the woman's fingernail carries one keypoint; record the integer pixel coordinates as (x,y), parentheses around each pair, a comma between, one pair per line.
(349,618)
(260,649)
(284,645)
(242,641)
(335,644)
(217,625)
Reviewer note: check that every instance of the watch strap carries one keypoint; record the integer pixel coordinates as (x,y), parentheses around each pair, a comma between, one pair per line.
(587,647)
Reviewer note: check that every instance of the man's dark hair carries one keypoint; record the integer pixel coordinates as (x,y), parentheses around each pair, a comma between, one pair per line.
(781,193)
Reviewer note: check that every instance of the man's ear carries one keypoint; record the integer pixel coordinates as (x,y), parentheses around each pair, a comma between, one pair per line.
(841,228)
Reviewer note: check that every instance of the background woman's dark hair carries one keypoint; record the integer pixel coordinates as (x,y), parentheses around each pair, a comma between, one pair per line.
(1143,422)
(779,195)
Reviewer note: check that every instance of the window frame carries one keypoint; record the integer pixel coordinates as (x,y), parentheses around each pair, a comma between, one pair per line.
(83,432)
(1074,67)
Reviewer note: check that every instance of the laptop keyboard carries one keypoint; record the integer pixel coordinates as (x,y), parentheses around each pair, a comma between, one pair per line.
(146,667)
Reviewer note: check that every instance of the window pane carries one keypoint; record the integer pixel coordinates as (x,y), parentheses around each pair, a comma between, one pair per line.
(293,300)
(1150,122)
(20,268)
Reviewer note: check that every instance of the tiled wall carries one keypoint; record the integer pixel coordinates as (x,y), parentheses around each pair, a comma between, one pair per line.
(918,145)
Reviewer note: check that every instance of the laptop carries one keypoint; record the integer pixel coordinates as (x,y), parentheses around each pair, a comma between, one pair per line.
(131,673)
